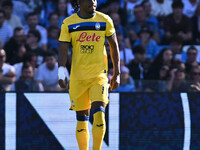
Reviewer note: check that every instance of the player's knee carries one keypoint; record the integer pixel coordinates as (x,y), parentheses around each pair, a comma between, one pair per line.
(99,117)
(82,123)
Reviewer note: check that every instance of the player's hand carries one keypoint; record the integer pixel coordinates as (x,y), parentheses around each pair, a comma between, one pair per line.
(114,82)
(196,86)
(63,84)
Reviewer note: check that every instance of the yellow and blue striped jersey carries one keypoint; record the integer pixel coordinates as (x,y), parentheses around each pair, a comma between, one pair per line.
(87,36)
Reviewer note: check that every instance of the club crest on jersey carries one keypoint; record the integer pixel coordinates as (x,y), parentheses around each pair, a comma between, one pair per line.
(97,26)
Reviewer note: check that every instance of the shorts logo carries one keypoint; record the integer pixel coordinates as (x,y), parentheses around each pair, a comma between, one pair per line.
(73,103)
(97,26)
(86,49)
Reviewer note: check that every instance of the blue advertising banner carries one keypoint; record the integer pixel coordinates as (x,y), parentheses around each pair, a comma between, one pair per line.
(135,121)
(151,121)
(194,100)
(32,132)
(2,121)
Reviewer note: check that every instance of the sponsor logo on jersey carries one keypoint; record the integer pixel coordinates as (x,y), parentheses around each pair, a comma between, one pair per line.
(89,38)
(86,49)
(76,27)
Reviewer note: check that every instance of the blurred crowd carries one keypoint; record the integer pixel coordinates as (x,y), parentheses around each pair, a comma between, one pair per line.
(159,43)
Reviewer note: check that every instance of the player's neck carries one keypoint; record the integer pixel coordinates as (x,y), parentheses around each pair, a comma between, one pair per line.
(85,15)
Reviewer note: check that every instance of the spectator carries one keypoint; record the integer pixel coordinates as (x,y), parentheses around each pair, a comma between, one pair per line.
(114,7)
(35,5)
(32,41)
(191,58)
(196,25)
(117,24)
(147,8)
(53,35)
(158,84)
(7,72)
(178,24)
(165,57)
(48,7)
(19,54)
(26,81)
(161,8)
(195,86)
(126,82)
(11,47)
(141,21)
(177,82)
(5,30)
(139,66)
(11,19)
(47,73)
(128,6)
(28,58)
(21,10)
(194,75)
(150,18)
(190,7)
(62,11)
(53,20)
(145,40)
(125,53)
(176,45)
(119,28)
(32,24)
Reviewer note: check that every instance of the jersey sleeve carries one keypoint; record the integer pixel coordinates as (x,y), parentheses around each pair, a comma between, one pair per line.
(110,30)
(64,33)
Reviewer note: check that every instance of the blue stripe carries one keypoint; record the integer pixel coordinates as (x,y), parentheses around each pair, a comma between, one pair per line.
(85,17)
(63,42)
(111,35)
(99,109)
(86,24)
(82,118)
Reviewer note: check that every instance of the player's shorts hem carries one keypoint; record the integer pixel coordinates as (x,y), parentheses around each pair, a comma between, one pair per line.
(100,100)
(78,109)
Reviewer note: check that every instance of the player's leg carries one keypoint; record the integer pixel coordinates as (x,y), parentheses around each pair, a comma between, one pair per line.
(82,132)
(80,104)
(99,99)
(99,124)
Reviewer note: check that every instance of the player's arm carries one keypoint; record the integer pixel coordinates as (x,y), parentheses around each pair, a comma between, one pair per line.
(114,51)
(62,60)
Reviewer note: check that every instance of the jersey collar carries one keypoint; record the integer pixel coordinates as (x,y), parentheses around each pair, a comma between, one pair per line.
(78,13)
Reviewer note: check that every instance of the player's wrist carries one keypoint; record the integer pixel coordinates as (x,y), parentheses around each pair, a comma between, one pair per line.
(116,74)
(61,73)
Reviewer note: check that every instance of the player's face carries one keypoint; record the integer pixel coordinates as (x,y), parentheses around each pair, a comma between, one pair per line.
(89,6)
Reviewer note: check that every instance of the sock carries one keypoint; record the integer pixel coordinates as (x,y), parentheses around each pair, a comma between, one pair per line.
(82,132)
(99,128)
